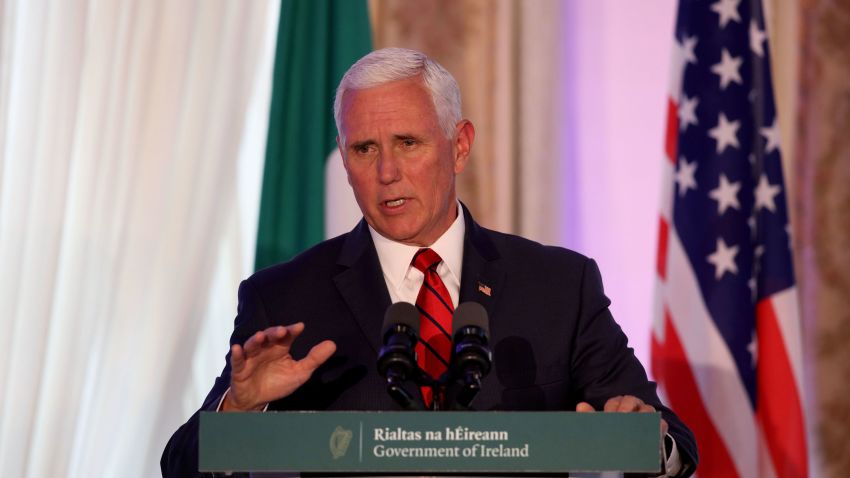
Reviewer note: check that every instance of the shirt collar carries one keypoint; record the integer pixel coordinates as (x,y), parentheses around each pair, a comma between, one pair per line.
(395,257)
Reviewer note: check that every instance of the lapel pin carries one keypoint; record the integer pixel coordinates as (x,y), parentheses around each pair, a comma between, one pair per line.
(484,289)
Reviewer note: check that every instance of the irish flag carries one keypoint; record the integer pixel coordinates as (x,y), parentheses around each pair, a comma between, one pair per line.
(317,41)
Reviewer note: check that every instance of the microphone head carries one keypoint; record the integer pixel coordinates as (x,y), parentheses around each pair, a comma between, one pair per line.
(470,314)
(397,357)
(401,313)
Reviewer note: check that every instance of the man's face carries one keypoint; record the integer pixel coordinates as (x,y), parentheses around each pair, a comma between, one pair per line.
(400,163)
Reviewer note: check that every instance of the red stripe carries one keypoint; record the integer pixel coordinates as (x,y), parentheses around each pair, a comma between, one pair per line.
(778,406)
(672,130)
(670,366)
(663,234)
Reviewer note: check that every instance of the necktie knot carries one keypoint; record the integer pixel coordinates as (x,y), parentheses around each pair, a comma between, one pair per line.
(426,259)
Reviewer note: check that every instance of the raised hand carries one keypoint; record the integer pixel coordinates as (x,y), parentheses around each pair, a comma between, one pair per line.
(263,370)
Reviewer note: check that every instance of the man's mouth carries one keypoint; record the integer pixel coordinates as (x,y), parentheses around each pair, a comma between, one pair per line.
(395,202)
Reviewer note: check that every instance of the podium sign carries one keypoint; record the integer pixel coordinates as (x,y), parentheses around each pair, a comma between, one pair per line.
(444,442)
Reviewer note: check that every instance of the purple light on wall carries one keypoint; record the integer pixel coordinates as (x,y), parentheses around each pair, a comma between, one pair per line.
(614,63)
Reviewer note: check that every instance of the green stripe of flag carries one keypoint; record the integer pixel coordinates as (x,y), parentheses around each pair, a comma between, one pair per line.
(317,41)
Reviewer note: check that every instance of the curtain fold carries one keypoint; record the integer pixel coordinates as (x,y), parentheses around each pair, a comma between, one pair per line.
(122,124)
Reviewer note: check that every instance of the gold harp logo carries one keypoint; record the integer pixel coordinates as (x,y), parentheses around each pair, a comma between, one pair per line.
(338,444)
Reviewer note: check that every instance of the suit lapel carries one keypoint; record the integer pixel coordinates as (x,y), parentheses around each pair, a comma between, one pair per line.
(362,283)
(482,276)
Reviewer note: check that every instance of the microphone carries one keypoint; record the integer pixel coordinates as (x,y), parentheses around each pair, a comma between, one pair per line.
(397,357)
(471,356)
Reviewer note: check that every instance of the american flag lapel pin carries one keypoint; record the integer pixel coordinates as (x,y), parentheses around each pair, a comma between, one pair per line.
(485,289)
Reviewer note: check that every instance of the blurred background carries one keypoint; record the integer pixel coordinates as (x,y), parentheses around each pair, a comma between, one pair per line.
(133,146)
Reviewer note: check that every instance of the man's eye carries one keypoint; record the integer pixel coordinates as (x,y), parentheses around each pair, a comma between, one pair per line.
(409,143)
(364,149)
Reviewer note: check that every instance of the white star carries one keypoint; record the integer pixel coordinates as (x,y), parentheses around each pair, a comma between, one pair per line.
(723,259)
(726,195)
(766,193)
(753,290)
(685,176)
(727,69)
(687,48)
(757,38)
(728,10)
(771,134)
(753,349)
(725,133)
(688,112)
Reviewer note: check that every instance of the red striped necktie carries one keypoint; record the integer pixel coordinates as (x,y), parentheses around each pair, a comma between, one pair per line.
(435,320)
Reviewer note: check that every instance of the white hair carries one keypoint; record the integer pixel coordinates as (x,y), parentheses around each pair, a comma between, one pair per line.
(394,64)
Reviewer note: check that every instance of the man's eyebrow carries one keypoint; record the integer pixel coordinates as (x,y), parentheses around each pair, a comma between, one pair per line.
(361,144)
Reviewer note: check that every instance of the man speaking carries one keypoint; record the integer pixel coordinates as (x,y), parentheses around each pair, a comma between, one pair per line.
(308,331)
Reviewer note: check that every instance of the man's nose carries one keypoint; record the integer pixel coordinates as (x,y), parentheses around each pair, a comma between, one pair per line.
(388,167)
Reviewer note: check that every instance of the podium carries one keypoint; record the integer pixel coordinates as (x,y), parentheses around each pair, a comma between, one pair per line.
(448,443)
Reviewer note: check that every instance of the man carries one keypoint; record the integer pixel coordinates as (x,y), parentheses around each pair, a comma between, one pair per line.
(308,331)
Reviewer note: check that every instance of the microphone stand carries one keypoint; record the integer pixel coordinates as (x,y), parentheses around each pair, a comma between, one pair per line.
(396,390)
(469,389)
(459,392)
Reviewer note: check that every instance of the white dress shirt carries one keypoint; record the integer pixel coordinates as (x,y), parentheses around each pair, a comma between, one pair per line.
(404,280)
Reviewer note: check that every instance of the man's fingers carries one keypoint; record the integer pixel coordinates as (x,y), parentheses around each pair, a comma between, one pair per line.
(278,335)
(295,328)
(664,426)
(613,404)
(292,333)
(317,356)
(629,403)
(585,407)
(237,358)
(254,344)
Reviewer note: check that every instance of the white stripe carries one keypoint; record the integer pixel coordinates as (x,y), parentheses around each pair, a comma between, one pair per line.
(658,313)
(666,213)
(677,72)
(717,378)
(788,318)
(785,306)
(765,463)
(667,173)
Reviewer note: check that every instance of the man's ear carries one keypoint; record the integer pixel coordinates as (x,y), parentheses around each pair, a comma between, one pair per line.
(465,135)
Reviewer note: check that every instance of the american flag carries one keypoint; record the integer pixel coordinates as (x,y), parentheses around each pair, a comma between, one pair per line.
(726,346)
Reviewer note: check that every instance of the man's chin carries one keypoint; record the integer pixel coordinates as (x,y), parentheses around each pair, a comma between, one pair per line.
(400,237)
(407,236)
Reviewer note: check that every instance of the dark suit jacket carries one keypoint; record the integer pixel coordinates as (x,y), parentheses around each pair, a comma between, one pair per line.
(554,341)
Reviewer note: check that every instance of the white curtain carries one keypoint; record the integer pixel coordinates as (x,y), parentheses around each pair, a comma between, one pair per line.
(128,131)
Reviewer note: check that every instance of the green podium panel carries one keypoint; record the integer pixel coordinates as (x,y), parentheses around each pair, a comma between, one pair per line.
(430,442)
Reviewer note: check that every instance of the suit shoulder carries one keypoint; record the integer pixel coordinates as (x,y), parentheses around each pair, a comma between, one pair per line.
(513,247)
(317,260)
